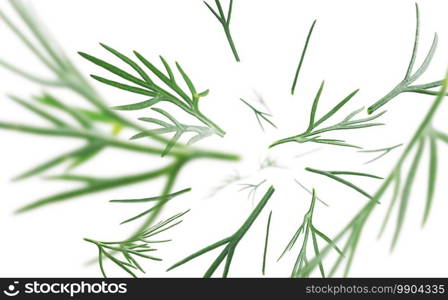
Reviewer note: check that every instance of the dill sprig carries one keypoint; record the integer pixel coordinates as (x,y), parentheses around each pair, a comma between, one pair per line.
(253,188)
(336,175)
(225,22)
(138,246)
(145,85)
(307,229)
(383,152)
(230,242)
(270,162)
(260,115)
(405,86)
(302,57)
(313,133)
(402,188)
(84,125)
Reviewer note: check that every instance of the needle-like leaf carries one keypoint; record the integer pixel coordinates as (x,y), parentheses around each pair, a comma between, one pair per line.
(178,128)
(409,182)
(266,242)
(352,231)
(130,249)
(147,86)
(432,178)
(302,57)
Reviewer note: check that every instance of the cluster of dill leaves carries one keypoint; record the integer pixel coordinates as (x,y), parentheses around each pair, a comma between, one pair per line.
(101,127)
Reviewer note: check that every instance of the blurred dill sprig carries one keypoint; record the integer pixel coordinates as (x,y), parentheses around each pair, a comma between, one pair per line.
(145,85)
(383,152)
(84,124)
(401,180)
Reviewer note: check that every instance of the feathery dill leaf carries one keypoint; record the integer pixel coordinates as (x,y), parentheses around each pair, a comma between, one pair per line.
(352,231)
(230,242)
(225,22)
(313,133)
(84,121)
(266,242)
(405,86)
(307,229)
(302,57)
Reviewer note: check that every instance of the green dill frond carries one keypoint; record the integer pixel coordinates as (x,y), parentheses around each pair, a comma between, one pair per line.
(405,86)
(260,115)
(165,198)
(179,129)
(132,249)
(313,133)
(401,179)
(230,242)
(225,22)
(143,84)
(307,230)
(336,175)
(252,188)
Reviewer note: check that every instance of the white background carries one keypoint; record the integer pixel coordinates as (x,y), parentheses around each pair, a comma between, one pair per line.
(356,44)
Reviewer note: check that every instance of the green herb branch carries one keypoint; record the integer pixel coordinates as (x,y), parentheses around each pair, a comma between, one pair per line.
(84,126)
(145,85)
(230,242)
(260,115)
(225,22)
(313,133)
(383,152)
(308,229)
(405,86)
(138,246)
(401,190)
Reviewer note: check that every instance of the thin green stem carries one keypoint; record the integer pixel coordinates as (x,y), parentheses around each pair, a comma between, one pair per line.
(302,57)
